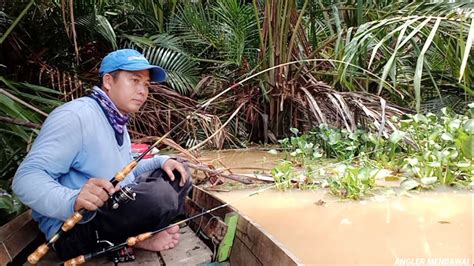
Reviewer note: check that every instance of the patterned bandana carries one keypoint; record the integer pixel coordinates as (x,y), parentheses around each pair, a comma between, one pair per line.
(116,119)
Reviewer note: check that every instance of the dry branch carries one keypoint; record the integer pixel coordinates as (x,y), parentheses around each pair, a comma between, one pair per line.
(220,172)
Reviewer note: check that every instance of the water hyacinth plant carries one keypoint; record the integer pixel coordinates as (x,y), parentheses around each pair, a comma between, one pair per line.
(443,147)
(354,183)
(426,150)
(301,148)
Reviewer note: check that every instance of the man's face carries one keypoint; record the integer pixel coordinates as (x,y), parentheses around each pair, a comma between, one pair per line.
(128,90)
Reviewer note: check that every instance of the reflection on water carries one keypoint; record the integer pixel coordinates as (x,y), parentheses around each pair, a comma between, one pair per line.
(322,230)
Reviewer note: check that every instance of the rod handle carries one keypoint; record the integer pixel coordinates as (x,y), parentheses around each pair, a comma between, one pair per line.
(125,171)
(132,241)
(75,261)
(34,257)
(72,221)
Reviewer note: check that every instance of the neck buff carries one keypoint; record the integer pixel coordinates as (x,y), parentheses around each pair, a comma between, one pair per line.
(117,120)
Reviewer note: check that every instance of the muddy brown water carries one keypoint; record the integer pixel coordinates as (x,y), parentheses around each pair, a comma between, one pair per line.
(427,228)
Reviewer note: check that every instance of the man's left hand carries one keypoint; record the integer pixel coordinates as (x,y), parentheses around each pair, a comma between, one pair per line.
(171,165)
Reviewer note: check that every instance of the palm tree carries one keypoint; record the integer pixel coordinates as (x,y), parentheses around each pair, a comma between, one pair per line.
(420,48)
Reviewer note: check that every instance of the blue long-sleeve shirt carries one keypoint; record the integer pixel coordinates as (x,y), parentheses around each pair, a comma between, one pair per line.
(76,142)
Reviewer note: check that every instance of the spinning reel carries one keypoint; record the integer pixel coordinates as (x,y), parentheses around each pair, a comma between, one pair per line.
(124,195)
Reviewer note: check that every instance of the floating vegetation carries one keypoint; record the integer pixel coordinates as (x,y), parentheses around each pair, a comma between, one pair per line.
(354,183)
(425,151)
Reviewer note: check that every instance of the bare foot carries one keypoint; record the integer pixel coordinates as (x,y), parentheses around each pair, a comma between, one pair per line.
(162,241)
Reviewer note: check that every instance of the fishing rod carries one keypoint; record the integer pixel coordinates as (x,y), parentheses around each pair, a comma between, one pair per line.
(34,257)
(124,195)
(132,241)
(115,199)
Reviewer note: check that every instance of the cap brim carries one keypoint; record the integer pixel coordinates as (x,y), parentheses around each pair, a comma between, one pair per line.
(157,74)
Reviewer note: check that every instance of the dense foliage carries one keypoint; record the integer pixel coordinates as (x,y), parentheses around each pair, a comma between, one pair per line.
(354,64)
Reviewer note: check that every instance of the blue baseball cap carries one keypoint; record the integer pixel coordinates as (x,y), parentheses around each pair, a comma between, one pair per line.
(132,60)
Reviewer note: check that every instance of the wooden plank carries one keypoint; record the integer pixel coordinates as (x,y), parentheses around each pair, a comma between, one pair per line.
(189,251)
(212,226)
(265,247)
(14,225)
(16,235)
(21,238)
(204,199)
(257,241)
(4,256)
(241,255)
(226,244)
(145,258)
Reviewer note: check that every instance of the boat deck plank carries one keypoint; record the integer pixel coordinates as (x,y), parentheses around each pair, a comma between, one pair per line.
(190,250)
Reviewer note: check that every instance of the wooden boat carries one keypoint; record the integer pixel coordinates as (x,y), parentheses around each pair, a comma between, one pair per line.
(225,237)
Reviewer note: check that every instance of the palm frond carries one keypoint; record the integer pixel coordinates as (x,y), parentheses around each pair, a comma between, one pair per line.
(168,41)
(182,71)
(24,102)
(238,26)
(99,25)
(165,50)
(397,43)
(195,26)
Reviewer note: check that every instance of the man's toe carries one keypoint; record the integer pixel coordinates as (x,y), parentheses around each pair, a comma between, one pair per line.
(173,230)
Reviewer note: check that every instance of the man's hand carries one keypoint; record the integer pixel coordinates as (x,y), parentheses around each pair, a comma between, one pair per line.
(171,165)
(93,194)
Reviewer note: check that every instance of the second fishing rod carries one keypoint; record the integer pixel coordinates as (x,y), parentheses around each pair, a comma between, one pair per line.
(132,241)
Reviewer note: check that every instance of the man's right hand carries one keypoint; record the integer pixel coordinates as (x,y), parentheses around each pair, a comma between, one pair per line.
(93,194)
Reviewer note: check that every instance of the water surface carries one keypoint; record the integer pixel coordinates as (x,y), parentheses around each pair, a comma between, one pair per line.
(320,229)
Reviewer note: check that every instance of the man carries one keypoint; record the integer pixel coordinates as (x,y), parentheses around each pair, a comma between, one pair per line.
(81,146)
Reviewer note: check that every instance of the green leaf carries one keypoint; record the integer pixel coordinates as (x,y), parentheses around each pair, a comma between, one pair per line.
(6,203)
(420,118)
(294,131)
(469,126)
(409,184)
(420,62)
(447,137)
(273,152)
(463,164)
(396,136)
(454,124)
(467,50)
(181,69)
(100,25)
(465,142)
(428,180)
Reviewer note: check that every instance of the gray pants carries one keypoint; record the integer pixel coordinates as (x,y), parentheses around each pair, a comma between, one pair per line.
(158,201)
